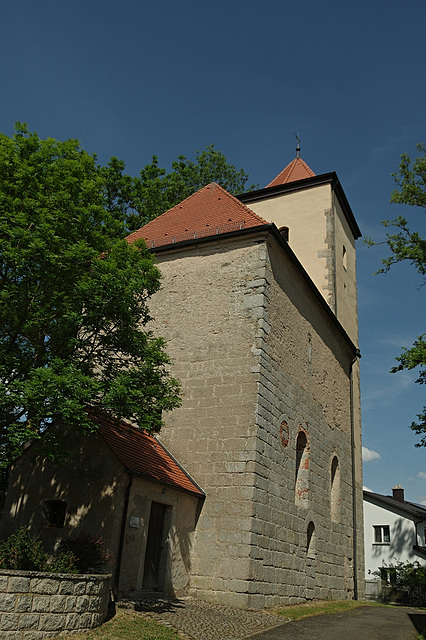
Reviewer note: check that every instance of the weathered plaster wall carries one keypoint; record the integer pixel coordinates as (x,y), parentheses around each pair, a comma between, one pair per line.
(177,542)
(308,215)
(92,483)
(345,269)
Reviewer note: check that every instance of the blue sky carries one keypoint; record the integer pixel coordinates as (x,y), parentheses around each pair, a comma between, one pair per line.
(136,78)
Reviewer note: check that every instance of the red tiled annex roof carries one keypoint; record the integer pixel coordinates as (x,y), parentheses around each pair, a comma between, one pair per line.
(143,454)
(296,170)
(208,212)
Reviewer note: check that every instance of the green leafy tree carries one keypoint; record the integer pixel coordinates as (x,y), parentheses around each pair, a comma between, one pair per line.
(157,191)
(73,298)
(408,245)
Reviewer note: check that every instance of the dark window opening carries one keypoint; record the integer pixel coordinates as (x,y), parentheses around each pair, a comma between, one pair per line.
(55,512)
(284,231)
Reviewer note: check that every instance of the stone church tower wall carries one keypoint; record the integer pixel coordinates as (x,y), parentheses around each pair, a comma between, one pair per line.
(265,424)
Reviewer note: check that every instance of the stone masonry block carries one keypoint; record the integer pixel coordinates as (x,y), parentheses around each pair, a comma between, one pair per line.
(80,588)
(44,586)
(7,602)
(86,620)
(96,588)
(66,587)
(82,604)
(18,584)
(52,623)
(41,604)
(28,621)
(70,602)
(23,603)
(57,604)
(3,583)
(94,603)
(8,622)
(72,622)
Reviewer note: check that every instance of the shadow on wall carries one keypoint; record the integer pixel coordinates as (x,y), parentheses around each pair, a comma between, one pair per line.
(401,543)
(90,483)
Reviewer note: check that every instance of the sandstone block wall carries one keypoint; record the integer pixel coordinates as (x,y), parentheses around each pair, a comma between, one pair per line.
(259,360)
(37,605)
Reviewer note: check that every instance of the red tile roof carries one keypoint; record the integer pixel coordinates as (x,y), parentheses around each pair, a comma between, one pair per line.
(208,212)
(143,454)
(296,170)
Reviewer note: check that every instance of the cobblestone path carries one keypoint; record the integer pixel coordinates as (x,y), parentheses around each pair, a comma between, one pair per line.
(198,620)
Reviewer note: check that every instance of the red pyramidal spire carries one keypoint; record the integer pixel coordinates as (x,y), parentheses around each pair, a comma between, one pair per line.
(296,170)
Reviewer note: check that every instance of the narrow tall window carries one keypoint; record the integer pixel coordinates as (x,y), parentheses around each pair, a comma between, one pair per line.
(345,258)
(335,489)
(310,540)
(302,469)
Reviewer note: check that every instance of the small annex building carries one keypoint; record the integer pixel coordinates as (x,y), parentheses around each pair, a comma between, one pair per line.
(258,306)
(119,483)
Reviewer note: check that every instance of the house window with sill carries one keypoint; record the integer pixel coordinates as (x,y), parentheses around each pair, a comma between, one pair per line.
(381,534)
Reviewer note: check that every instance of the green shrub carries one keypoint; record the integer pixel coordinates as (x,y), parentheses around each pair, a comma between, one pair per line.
(65,562)
(20,551)
(409,578)
(88,550)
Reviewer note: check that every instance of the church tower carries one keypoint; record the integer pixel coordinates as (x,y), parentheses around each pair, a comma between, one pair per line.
(313,214)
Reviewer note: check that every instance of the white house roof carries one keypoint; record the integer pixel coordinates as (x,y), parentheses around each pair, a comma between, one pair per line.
(387,502)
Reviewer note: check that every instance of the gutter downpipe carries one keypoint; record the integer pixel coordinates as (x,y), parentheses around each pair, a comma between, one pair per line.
(122,532)
(354,509)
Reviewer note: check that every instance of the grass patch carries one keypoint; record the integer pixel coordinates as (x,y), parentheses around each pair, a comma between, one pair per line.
(317,608)
(125,625)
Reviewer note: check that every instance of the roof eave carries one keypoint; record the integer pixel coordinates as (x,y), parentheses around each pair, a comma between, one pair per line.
(146,476)
(391,503)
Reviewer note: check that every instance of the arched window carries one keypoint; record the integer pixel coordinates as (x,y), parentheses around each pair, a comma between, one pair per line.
(302,469)
(335,489)
(310,541)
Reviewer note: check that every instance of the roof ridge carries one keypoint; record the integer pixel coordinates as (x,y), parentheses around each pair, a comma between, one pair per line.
(144,226)
(205,212)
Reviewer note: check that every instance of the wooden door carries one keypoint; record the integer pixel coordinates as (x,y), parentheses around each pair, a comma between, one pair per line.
(152,579)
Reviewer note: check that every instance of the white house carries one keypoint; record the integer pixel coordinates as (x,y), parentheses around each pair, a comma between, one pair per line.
(395,531)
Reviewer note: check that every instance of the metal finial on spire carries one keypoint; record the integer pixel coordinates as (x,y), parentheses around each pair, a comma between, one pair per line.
(297,145)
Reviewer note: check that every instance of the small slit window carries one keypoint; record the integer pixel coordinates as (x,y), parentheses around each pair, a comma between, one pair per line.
(55,512)
(302,469)
(345,258)
(284,231)
(335,489)
(310,541)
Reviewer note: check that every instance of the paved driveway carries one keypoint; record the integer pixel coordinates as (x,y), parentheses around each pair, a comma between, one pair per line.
(365,623)
(198,620)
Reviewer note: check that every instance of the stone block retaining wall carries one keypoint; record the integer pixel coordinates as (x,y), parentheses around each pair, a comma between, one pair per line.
(35,605)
